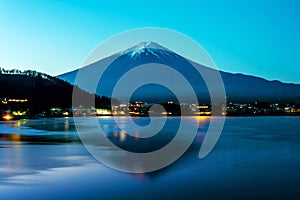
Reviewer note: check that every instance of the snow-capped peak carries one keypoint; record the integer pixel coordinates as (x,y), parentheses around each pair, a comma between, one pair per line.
(144,47)
(149,44)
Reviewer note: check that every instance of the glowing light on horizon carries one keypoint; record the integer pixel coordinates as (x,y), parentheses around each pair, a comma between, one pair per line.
(7,117)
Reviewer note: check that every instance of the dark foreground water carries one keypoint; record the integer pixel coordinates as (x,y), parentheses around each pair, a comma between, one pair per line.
(255,157)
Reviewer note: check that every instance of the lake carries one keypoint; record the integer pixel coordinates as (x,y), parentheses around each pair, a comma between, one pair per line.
(255,157)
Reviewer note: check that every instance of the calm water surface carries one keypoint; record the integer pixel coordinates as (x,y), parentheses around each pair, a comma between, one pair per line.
(255,157)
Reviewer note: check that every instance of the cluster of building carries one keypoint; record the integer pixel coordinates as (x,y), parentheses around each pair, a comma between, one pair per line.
(168,108)
(171,108)
(17,108)
(262,108)
(11,108)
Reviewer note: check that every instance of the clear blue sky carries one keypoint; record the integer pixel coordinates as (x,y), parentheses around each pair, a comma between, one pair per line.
(259,38)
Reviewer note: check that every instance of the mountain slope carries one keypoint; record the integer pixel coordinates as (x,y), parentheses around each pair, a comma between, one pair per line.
(238,87)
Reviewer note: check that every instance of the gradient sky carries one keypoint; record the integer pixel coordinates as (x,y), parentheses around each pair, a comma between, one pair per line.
(260,38)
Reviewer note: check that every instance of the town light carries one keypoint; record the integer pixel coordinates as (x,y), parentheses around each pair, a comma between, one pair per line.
(7,117)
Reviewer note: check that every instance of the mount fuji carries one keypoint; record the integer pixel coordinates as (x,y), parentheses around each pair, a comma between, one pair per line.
(239,87)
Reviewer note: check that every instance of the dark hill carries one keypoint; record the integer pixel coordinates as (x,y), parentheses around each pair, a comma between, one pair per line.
(42,91)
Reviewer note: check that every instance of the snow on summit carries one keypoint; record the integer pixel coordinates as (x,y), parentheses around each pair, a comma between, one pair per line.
(145,48)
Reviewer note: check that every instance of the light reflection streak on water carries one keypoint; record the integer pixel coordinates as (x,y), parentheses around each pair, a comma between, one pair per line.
(122,136)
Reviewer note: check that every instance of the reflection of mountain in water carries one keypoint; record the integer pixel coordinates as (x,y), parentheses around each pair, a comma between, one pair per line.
(250,149)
